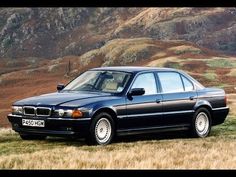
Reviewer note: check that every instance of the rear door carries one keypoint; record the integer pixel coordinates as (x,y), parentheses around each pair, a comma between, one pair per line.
(179,97)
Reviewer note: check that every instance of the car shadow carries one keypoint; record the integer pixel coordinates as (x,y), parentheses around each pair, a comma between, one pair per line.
(152,136)
(121,139)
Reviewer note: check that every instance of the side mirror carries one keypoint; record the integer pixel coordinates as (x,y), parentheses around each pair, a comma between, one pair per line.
(60,87)
(136,91)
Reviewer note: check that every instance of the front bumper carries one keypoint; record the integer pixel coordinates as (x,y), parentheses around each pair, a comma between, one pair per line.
(53,126)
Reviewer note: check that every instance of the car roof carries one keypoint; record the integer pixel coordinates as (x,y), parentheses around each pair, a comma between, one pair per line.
(133,69)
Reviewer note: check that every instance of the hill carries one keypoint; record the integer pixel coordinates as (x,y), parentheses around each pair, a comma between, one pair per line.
(58,32)
(21,78)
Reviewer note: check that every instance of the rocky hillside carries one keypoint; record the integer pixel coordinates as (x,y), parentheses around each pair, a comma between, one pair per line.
(57,32)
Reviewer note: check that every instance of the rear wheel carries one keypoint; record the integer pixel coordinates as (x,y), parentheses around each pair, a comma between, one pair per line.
(101,129)
(201,124)
(32,137)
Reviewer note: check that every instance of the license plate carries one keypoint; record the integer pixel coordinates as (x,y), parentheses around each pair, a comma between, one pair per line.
(33,123)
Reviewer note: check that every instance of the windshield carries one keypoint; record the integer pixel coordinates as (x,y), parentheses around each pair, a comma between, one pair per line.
(99,81)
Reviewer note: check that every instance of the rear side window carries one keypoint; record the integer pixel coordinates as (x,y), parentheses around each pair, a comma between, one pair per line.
(188,86)
(170,82)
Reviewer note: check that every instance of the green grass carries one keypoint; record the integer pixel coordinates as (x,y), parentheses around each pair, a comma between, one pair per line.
(175,65)
(179,52)
(221,63)
(12,144)
(222,85)
(227,129)
(210,76)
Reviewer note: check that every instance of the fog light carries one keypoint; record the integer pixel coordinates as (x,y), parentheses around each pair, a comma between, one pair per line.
(15,125)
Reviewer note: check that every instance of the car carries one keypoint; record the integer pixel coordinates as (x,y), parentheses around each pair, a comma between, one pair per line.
(105,102)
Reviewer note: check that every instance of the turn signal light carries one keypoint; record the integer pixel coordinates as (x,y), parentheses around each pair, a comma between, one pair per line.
(77,114)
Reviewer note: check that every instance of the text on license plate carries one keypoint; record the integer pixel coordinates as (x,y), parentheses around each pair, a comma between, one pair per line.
(33,123)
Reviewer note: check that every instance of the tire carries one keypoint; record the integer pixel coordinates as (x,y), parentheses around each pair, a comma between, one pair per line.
(102,130)
(201,123)
(32,137)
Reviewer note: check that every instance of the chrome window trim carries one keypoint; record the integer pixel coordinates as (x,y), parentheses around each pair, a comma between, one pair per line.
(155,72)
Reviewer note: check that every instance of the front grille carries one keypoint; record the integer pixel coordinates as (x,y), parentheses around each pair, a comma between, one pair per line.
(40,111)
(37,111)
(29,110)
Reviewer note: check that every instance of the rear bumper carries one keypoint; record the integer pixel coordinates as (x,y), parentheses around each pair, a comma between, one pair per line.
(53,126)
(219,115)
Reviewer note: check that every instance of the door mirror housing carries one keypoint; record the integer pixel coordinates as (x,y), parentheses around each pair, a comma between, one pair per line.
(136,91)
(60,87)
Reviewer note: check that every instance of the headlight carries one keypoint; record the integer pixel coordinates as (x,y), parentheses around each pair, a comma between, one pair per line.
(61,112)
(69,113)
(17,110)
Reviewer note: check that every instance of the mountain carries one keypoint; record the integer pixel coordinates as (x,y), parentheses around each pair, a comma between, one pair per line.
(58,32)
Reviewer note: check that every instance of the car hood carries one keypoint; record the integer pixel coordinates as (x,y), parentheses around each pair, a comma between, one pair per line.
(58,98)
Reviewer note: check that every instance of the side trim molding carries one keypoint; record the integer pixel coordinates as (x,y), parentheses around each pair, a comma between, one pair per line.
(222,108)
(122,132)
(155,114)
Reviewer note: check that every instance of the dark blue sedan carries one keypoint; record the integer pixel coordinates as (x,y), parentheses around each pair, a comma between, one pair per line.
(111,101)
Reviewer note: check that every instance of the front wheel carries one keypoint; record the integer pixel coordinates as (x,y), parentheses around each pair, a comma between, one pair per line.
(201,124)
(101,129)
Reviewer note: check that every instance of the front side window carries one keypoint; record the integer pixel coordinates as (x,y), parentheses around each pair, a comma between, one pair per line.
(170,82)
(99,81)
(146,81)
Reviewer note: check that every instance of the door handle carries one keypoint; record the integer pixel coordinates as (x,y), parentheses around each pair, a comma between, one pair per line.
(158,100)
(192,97)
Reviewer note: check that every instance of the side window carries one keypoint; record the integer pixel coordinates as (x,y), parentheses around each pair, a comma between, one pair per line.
(146,81)
(187,84)
(170,82)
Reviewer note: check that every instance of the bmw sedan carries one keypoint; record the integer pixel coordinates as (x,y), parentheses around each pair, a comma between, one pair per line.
(102,103)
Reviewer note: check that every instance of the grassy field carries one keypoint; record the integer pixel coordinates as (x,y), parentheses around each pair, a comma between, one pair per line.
(156,151)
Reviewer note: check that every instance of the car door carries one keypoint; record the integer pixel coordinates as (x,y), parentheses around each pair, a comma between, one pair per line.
(144,110)
(179,97)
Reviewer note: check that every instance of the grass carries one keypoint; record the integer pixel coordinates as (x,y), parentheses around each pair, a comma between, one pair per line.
(175,65)
(180,52)
(210,76)
(161,151)
(221,63)
(182,49)
(222,85)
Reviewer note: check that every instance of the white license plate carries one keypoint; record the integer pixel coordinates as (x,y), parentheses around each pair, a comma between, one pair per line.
(33,123)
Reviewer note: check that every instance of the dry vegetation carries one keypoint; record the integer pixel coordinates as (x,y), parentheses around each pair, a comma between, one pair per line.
(146,152)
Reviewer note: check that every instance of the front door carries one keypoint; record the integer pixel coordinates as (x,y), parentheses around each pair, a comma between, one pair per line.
(145,110)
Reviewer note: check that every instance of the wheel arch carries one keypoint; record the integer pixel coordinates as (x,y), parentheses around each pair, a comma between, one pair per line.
(108,110)
(203,104)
